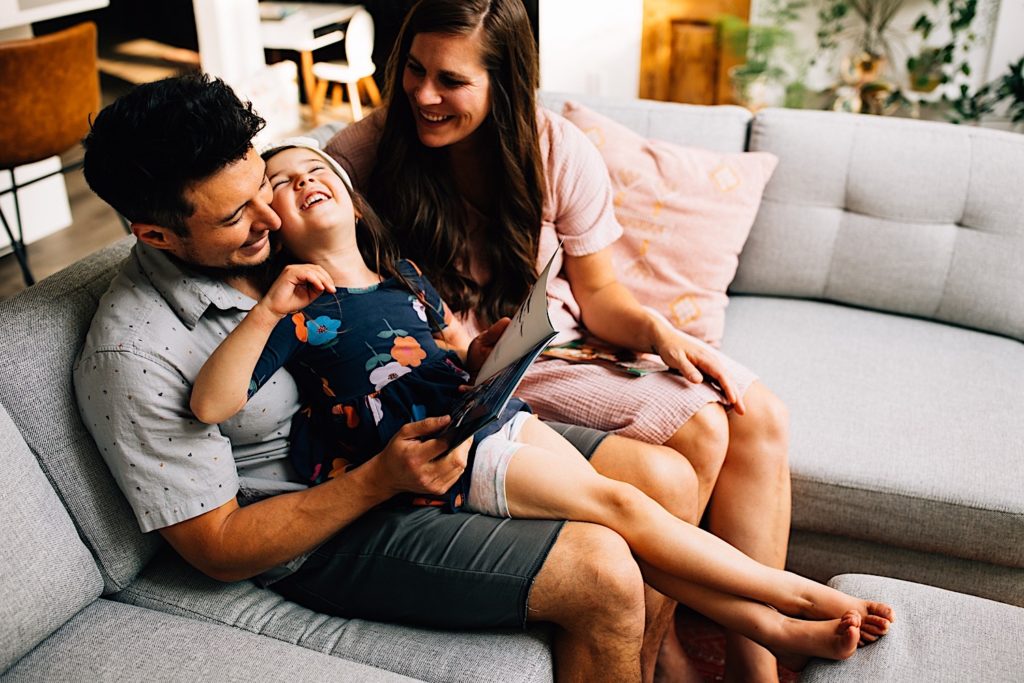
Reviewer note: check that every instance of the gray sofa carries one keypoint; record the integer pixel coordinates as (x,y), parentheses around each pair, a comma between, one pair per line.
(880,295)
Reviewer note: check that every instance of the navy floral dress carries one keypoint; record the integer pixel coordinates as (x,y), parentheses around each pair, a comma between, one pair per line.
(366,363)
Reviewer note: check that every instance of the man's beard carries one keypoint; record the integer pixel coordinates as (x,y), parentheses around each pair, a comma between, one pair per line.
(260,274)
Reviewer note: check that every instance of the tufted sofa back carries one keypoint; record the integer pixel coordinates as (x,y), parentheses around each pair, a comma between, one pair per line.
(917,218)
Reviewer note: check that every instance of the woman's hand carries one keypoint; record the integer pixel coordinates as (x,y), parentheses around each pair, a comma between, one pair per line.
(693,360)
(296,287)
(481,347)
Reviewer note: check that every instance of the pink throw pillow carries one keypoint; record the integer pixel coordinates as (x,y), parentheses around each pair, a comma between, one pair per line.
(686,213)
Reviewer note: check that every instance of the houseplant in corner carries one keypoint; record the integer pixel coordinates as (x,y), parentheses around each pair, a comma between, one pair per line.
(770,76)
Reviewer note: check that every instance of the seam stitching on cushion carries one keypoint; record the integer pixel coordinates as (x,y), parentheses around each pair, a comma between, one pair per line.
(958,226)
(842,210)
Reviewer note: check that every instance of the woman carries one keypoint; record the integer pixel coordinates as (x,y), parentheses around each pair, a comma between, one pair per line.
(481,185)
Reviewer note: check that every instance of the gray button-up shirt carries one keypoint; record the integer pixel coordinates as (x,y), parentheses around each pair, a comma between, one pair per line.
(155,327)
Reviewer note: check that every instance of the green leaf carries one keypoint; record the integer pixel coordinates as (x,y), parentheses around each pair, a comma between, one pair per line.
(385,334)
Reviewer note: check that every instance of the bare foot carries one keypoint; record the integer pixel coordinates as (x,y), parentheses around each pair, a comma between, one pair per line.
(818,601)
(799,640)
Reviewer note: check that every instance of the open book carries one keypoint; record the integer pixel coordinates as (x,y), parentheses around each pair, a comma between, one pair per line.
(593,350)
(522,341)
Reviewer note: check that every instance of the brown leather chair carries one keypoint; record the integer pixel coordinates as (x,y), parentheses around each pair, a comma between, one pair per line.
(49,89)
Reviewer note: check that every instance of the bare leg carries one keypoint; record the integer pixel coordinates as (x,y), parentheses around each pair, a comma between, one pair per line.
(750,505)
(591,589)
(669,479)
(793,641)
(560,484)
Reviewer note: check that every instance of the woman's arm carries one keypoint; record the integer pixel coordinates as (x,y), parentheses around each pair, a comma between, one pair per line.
(611,312)
(222,386)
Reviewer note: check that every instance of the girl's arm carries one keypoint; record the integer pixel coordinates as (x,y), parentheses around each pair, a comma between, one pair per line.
(221,388)
(611,312)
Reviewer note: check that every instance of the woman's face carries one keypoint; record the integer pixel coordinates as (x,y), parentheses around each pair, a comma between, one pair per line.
(313,203)
(449,89)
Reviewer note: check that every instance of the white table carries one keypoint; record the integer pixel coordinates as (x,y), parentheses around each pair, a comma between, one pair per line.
(305,27)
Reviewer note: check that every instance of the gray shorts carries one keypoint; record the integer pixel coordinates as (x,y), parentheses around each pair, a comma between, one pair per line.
(418,565)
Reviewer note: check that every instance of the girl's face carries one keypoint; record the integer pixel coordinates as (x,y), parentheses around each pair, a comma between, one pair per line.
(449,89)
(314,205)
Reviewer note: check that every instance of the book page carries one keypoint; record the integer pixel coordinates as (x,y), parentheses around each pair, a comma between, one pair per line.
(529,327)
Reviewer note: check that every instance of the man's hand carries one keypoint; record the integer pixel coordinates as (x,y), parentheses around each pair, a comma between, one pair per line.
(411,461)
(481,347)
(296,287)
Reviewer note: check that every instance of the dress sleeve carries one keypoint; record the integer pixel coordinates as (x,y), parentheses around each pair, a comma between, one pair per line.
(284,341)
(580,200)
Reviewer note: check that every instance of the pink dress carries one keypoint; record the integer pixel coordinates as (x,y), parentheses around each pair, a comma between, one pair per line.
(577,210)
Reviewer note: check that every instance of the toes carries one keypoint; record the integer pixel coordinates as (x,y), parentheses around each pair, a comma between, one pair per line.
(851,619)
(882,610)
(875,625)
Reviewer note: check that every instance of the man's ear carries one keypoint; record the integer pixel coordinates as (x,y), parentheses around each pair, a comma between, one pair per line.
(156,236)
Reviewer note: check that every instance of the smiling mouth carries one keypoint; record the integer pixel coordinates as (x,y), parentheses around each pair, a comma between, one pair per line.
(433,118)
(313,199)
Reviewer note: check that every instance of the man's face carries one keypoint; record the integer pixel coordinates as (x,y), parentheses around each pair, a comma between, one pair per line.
(231,226)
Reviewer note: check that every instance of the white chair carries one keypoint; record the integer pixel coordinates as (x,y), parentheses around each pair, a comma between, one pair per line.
(357,69)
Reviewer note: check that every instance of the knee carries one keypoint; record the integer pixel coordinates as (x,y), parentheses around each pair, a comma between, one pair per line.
(613,600)
(704,441)
(764,430)
(670,479)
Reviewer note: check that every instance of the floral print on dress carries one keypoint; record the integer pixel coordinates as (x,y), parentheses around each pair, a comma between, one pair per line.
(407,351)
(322,330)
(386,374)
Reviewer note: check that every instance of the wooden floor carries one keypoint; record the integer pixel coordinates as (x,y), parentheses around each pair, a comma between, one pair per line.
(94,225)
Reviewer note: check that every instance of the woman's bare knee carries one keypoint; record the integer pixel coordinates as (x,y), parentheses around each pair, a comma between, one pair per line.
(760,437)
(704,441)
(659,471)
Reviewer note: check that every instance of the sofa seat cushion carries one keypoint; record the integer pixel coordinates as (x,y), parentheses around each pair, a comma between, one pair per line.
(904,432)
(938,635)
(110,641)
(170,585)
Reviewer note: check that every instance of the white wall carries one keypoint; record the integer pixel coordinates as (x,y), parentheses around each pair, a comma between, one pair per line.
(1008,41)
(591,46)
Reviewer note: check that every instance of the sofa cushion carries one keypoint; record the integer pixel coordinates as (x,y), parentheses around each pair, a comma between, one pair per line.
(685,213)
(48,574)
(822,556)
(170,585)
(43,329)
(721,128)
(109,641)
(919,218)
(938,635)
(904,432)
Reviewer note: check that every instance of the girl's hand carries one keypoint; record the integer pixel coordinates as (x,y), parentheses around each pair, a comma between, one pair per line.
(683,353)
(296,287)
(481,347)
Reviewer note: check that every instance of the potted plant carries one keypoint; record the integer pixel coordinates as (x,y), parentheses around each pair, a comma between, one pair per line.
(766,77)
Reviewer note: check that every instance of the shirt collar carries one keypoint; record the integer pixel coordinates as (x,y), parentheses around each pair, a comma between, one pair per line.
(189,293)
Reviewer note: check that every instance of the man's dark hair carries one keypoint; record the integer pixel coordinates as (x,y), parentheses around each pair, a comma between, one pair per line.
(150,145)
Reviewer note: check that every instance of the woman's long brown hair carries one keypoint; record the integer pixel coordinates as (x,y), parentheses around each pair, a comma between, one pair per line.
(412,185)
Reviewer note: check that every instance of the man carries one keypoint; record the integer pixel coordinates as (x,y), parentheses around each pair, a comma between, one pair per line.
(175,157)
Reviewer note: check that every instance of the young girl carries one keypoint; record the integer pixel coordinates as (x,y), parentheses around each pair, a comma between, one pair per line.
(362,348)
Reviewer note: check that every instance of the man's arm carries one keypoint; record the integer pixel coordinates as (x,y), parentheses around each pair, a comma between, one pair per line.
(231,543)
